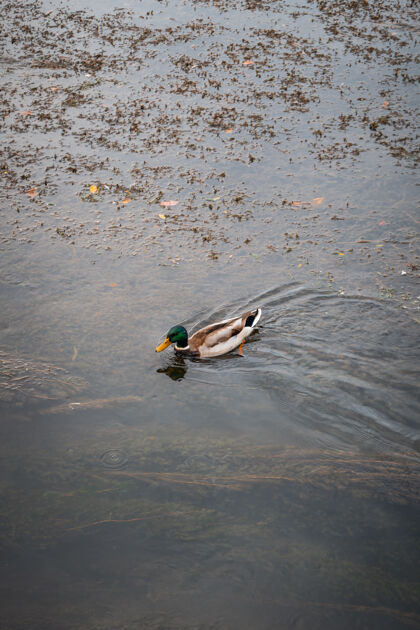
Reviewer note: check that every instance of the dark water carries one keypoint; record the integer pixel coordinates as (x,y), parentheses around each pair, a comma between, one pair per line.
(278,489)
(271,491)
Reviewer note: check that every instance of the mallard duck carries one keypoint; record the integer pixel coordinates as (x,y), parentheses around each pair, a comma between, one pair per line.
(213,340)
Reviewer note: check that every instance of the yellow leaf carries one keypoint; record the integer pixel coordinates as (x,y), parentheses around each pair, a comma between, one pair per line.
(300,265)
(317,201)
(162,216)
(340,253)
(93,189)
(75,352)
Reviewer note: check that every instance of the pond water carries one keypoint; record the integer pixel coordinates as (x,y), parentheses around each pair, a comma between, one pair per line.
(279,489)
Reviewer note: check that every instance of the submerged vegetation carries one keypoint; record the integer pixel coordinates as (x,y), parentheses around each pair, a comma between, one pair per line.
(308,521)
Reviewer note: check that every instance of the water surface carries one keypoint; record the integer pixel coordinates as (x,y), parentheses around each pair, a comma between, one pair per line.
(274,490)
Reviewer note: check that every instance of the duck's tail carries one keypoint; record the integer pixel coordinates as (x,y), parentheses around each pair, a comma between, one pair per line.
(253,319)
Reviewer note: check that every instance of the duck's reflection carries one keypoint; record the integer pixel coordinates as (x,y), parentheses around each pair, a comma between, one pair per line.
(176,368)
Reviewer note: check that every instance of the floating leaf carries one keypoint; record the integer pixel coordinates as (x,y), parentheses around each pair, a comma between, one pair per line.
(26,113)
(93,189)
(32,192)
(156,198)
(75,353)
(113,284)
(340,253)
(126,200)
(385,104)
(162,216)
(54,88)
(248,62)
(171,202)
(228,130)
(317,201)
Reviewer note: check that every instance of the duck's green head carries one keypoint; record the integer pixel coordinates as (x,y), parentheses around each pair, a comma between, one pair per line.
(177,335)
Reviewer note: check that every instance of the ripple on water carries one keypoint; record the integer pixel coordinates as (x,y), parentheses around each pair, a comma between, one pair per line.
(339,368)
(114,458)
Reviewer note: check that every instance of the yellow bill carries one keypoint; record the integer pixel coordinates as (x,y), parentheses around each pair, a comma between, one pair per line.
(164,345)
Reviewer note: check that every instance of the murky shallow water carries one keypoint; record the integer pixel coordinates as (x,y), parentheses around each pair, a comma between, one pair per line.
(274,490)
(278,489)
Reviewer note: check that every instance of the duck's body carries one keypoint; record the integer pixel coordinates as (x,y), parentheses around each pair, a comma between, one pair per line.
(214,340)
